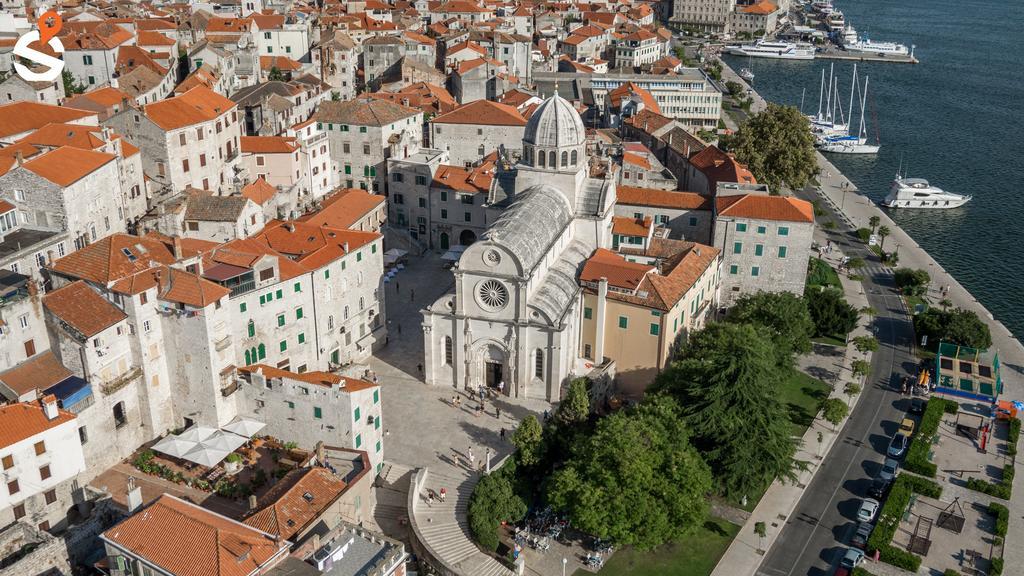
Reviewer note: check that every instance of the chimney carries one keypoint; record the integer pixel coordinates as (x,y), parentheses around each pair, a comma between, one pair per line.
(252,502)
(344,247)
(176,247)
(20,157)
(49,403)
(134,500)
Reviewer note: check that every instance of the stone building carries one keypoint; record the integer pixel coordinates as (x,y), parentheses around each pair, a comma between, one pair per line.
(514,317)
(474,130)
(686,215)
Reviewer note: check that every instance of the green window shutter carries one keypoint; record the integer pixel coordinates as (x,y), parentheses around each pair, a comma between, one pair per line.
(327,274)
(241,307)
(362,129)
(758,249)
(355,415)
(693,221)
(783,231)
(378,445)
(302,337)
(623,322)
(270,296)
(263,300)
(359,440)
(741,227)
(348,168)
(298,287)
(366,170)
(248,358)
(298,314)
(343,265)
(280,294)
(344,127)
(290,404)
(280,319)
(376,423)
(319,126)
(444,196)
(376,397)
(737,247)
(588,313)
(655,313)
(675,325)
(755,271)
(373,248)
(359,256)
(734,269)
(373,171)
(655,329)
(252,329)
(761,229)
(283,345)
(262,352)
(782,251)
(317,413)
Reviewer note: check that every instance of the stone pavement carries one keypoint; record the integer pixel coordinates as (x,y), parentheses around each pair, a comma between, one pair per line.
(746,552)
(422,428)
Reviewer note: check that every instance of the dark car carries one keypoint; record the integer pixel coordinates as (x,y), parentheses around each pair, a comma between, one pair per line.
(860,537)
(917,406)
(879,488)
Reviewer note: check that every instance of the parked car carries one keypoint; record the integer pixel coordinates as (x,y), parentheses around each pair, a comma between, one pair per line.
(868,510)
(917,405)
(889,469)
(850,560)
(898,446)
(860,537)
(907,427)
(879,488)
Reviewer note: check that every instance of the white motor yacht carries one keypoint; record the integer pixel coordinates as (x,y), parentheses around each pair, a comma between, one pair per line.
(773,49)
(847,145)
(886,48)
(918,193)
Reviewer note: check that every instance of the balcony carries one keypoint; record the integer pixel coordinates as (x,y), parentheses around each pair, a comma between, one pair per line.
(242,288)
(121,381)
(229,389)
(223,342)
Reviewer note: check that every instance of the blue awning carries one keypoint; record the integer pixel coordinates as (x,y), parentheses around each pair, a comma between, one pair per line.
(70,391)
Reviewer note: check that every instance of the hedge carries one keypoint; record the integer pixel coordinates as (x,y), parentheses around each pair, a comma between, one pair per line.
(997,567)
(858,571)
(1013,436)
(889,519)
(921,443)
(1004,489)
(1002,514)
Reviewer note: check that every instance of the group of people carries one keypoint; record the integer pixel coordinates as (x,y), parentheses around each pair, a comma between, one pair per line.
(456,400)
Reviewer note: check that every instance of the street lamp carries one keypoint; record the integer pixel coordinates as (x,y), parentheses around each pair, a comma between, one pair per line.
(843,202)
(564,562)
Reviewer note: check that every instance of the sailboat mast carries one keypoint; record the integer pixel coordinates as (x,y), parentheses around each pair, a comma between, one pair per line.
(828,103)
(803,92)
(821,93)
(863,102)
(853,85)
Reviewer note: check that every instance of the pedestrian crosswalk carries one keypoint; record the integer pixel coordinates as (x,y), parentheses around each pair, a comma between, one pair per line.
(876,270)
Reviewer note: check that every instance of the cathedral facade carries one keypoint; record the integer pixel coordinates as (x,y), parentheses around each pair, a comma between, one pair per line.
(514,317)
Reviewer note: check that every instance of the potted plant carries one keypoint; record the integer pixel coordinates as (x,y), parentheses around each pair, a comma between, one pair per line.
(233,463)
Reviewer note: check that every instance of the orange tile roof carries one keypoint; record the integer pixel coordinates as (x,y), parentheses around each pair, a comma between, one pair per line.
(648,121)
(310,246)
(619,272)
(83,309)
(268,144)
(475,180)
(483,112)
(325,379)
(24,116)
(107,259)
(220,24)
(150,38)
(640,35)
(96,35)
(282,63)
(625,89)
(175,285)
(344,208)
(269,21)
(636,160)
(6,206)
(199,104)
(466,45)
(187,540)
(67,165)
(758,207)
(58,134)
(37,373)
(718,166)
(296,501)
(625,226)
(260,191)
(467,65)
(26,419)
(107,96)
(631,196)
(761,7)
(680,265)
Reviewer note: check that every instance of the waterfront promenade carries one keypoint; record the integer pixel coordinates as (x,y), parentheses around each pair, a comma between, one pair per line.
(857,209)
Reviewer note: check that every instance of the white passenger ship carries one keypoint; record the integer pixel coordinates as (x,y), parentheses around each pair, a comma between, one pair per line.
(773,49)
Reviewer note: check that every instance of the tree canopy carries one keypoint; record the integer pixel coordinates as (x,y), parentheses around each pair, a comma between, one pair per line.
(494,501)
(636,480)
(956,326)
(912,282)
(527,439)
(777,145)
(728,382)
(831,314)
(575,408)
(784,315)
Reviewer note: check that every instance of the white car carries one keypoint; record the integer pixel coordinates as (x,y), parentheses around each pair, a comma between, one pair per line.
(889,469)
(868,510)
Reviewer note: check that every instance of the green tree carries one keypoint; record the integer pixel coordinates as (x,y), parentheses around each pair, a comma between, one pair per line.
(956,326)
(727,382)
(912,282)
(777,145)
(869,311)
(734,88)
(70,86)
(636,480)
(860,368)
(761,530)
(494,501)
(874,221)
(335,96)
(834,410)
(883,233)
(575,408)
(865,344)
(527,440)
(831,314)
(946,304)
(275,75)
(851,390)
(783,315)
(855,263)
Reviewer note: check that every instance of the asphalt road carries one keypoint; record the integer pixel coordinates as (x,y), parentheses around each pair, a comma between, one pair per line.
(818,531)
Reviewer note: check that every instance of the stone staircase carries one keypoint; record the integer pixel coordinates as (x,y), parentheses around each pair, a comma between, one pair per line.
(391,491)
(443,527)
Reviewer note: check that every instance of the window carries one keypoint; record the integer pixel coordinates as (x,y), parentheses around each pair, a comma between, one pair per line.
(297,287)
(252,328)
(40,448)
(51,496)
(241,307)
(120,416)
(202,159)
(376,400)
(359,440)
(783,230)
(378,445)
(574,158)
(181,139)
(758,249)
(261,352)
(19,511)
(444,214)
(302,338)
(362,129)
(8,462)
(146,326)
(327,274)
(83,435)
(184,165)
(355,414)
(755,271)
(761,229)
(279,294)
(280,319)
(737,248)
(623,322)
(359,256)
(87,60)
(740,227)
(448,351)
(782,251)
(467,216)
(283,345)
(44,472)
(12,487)
(538,364)
(298,314)
(317,412)
(734,269)
(655,329)
(588,313)
(423,202)
(587,353)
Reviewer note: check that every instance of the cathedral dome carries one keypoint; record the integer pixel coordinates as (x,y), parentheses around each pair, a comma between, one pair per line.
(555,124)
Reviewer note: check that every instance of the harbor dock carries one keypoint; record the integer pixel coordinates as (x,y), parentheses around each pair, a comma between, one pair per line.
(837,54)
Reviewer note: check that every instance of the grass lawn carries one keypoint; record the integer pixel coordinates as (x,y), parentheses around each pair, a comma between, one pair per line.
(801,395)
(914,301)
(695,555)
(819,273)
(830,340)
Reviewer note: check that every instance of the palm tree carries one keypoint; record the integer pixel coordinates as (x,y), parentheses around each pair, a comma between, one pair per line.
(874,221)
(945,303)
(882,233)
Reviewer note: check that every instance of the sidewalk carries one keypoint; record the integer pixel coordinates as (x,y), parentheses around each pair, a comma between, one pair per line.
(743,556)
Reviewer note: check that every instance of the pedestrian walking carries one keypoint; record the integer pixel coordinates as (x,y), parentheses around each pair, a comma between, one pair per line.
(399,326)
(397,289)
(430,497)
(497,412)
(501,434)
(454,404)
(501,387)
(443,493)
(412,295)
(420,368)
(469,453)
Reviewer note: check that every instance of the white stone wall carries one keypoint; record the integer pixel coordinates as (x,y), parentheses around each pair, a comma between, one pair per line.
(773,273)
(92,75)
(463,141)
(280,298)
(23,322)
